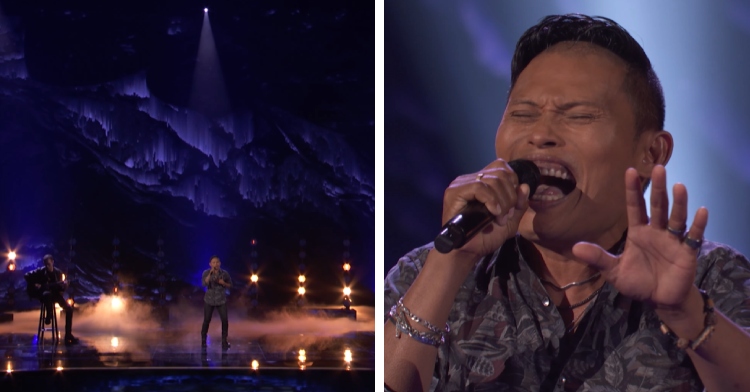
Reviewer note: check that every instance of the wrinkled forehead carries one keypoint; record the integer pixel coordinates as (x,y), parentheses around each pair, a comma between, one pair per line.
(576,50)
(576,71)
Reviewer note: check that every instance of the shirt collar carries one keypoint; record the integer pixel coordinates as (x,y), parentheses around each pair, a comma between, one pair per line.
(511,255)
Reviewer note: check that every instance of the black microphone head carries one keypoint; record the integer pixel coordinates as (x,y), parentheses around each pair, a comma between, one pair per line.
(527,172)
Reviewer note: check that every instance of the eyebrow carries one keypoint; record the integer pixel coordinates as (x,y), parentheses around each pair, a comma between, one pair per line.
(564,106)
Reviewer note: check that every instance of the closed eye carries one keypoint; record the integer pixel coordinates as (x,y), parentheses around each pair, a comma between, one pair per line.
(523,115)
(586,118)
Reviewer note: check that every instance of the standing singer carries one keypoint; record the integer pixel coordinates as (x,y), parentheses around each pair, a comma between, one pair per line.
(575,288)
(216,281)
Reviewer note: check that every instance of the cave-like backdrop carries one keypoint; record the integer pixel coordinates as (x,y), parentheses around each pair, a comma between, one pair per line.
(138,138)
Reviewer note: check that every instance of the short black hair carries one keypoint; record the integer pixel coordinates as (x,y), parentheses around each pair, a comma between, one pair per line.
(47,256)
(213,257)
(641,83)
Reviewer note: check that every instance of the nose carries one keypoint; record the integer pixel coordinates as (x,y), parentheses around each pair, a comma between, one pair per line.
(544,134)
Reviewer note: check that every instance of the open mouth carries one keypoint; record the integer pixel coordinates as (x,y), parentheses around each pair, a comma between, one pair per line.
(556,182)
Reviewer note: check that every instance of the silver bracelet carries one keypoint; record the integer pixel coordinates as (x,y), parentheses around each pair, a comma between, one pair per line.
(402,325)
(419,320)
(398,315)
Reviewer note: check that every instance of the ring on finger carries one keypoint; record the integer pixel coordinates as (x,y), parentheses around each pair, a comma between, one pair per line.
(679,233)
(479,176)
(693,243)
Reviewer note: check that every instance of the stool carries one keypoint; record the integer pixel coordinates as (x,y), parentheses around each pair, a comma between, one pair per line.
(51,328)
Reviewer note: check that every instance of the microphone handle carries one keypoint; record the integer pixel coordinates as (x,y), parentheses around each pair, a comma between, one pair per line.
(474,216)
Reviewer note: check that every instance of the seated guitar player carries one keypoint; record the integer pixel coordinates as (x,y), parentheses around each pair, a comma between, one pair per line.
(46,284)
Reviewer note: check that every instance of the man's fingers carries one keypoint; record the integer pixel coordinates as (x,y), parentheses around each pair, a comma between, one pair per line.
(494,186)
(595,256)
(659,197)
(636,206)
(678,216)
(502,188)
(694,238)
(513,217)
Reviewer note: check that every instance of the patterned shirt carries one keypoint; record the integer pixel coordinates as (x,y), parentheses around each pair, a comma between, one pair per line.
(506,335)
(215,293)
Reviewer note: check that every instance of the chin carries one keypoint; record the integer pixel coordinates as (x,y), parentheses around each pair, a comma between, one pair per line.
(544,228)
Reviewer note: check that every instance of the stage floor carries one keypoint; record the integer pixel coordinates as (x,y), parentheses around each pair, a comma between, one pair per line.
(131,351)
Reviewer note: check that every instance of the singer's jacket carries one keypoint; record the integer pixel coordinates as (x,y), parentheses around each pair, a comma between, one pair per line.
(507,335)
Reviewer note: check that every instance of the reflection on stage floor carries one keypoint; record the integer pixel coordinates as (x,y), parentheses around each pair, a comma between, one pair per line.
(280,350)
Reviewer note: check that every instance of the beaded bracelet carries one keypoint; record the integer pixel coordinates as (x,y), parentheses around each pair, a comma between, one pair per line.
(709,323)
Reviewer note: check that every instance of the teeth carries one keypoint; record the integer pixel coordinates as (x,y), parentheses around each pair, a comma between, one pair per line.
(559,173)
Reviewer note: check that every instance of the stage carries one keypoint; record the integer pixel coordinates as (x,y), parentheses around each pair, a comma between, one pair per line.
(287,349)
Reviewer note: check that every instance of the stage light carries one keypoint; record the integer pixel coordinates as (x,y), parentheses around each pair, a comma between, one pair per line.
(302,278)
(347,267)
(347,291)
(59,368)
(116,303)
(254,364)
(301,290)
(302,359)
(63,277)
(115,341)
(348,356)
(9,367)
(11,261)
(205,10)
(254,278)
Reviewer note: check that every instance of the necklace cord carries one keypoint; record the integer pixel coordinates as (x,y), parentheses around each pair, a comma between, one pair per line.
(572,284)
(584,302)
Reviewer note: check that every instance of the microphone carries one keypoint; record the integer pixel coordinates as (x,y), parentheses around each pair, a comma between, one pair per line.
(475,216)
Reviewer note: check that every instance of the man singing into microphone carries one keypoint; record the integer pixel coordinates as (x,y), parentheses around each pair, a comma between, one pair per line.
(575,287)
(217,281)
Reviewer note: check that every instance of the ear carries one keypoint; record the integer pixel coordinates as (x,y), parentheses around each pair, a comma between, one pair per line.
(655,148)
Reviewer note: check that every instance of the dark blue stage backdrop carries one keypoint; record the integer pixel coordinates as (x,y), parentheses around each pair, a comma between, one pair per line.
(447,73)
(123,123)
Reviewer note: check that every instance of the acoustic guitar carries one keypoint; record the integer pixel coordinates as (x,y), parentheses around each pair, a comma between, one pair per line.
(35,292)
